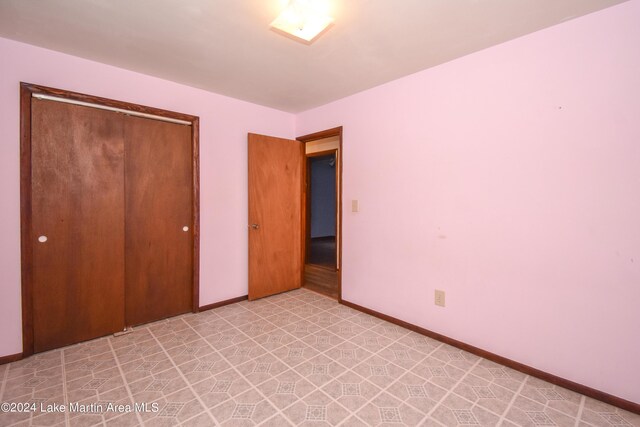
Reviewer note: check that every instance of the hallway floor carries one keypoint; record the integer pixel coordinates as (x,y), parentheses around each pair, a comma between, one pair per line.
(322,251)
(292,359)
(320,272)
(322,280)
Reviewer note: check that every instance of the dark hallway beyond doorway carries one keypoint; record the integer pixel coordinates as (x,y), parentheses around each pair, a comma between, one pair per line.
(322,251)
(320,272)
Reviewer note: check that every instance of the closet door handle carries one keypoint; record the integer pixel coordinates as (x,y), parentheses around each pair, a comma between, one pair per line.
(255,226)
(42,239)
(185,228)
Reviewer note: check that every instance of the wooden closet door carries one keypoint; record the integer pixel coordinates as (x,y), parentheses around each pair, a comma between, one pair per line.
(78,207)
(159,251)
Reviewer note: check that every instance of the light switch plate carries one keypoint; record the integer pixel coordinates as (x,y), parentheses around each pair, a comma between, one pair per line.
(439,298)
(354,206)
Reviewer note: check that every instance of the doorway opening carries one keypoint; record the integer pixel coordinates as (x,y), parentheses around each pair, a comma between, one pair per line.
(322,212)
(321,209)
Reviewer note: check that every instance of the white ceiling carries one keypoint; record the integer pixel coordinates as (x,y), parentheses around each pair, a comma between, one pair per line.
(225,46)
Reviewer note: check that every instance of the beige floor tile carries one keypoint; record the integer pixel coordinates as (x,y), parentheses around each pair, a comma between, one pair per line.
(305,310)
(286,389)
(348,354)
(42,362)
(484,393)
(209,325)
(351,390)
(262,368)
(552,396)
(136,336)
(354,421)
(242,352)
(379,371)
(257,327)
(455,357)
(225,339)
(539,418)
(401,355)
(281,318)
(10,418)
(156,385)
(420,343)
(26,387)
(322,340)
(172,409)
(295,353)
(124,420)
(499,374)
(372,341)
(190,352)
(366,321)
(438,372)
(277,421)
(417,392)
(94,385)
(325,320)
(297,358)
(201,420)
(221,387)
(343,311)
(203,367)
(316,409)
(390,330)
(274,339)
(345,329)
(246,409)
(454,410)
(598,413)
(320,370)
(387,410)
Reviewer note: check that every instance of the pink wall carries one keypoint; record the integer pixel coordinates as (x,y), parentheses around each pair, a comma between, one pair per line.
(509,178)
(224,123)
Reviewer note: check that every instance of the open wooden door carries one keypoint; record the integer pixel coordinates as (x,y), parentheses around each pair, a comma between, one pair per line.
(275,215)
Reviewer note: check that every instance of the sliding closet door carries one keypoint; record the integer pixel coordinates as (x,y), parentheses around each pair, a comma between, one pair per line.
(159,236)
(77,214)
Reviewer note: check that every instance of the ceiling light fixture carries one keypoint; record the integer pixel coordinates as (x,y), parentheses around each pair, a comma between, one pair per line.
(303,20)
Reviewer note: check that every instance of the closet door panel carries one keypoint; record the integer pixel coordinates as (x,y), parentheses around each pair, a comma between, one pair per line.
(159,250)
(78,207)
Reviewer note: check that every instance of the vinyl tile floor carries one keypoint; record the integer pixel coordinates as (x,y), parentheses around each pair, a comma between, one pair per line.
(297,358)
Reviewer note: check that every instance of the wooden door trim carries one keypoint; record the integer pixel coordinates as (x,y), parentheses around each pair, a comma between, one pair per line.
(337,131)
(91,99)
(195,146)
(328,133)
(26,238)
(322,153)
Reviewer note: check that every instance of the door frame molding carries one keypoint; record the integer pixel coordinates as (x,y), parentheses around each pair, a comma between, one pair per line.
(337,131)
(26,238)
